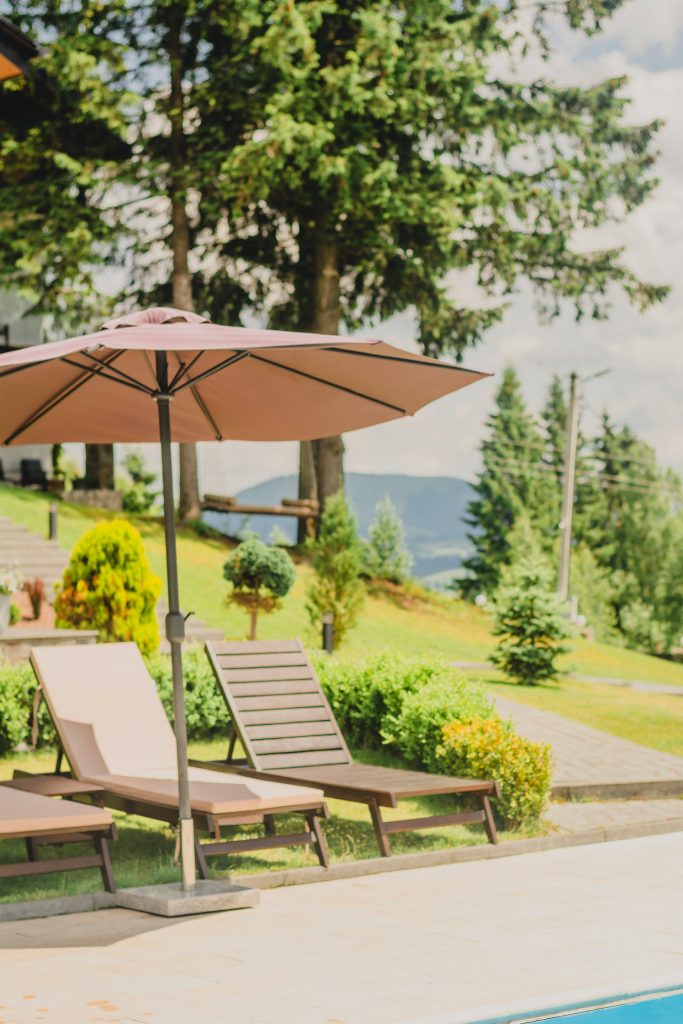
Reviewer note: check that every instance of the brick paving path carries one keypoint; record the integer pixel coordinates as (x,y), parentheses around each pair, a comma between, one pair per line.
(585,756)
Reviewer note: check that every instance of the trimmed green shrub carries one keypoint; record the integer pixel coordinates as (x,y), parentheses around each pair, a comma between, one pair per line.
(489,748)
(17,690)
(109,586)
(416,730)
(336,588)
(13,713)
(363,694)
(205,709)
(260,575)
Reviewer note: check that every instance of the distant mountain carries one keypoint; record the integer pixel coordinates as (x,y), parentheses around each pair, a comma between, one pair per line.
(432,509)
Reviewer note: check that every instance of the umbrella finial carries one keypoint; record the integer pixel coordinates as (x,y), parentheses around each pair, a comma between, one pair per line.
(155,315)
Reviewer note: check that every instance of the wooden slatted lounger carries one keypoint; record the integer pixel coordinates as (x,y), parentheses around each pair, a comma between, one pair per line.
(288,732)
(115,733)
(42,821)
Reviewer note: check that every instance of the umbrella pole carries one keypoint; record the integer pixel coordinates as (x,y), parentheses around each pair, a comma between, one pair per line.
(175,629)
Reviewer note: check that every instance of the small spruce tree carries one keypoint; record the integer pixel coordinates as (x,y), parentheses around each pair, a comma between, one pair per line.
(528,613)
(137,492)
(385,555)
(260,575)
(336,588)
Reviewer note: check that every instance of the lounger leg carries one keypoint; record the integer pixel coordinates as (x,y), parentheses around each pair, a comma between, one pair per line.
(201,859)
(231,748)
(102,848)
(31,848)
(380,832)
(269,824)
(489,823)
(313,823)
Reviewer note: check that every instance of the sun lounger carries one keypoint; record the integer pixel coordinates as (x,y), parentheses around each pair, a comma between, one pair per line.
(45,821)
(288,732)
(115,733)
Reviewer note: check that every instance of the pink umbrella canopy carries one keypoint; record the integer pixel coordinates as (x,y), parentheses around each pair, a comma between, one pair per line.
(226,383)
(167,375)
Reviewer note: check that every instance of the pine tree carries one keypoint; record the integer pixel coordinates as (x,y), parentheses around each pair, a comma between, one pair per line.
(512,482)
(528,614)
(385,555)
(336,588)
(372,148)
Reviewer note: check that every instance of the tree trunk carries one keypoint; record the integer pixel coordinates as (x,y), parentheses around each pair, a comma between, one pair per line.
(328,452)
(308,485)
(189,506)
(99,467)
(253,616)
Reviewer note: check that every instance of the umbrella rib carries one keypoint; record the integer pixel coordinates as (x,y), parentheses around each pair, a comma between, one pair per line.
(56,400)
(203,408)
(402,359)
(234,358)
(184,368)
(330,384)
(131,383)
(121,377)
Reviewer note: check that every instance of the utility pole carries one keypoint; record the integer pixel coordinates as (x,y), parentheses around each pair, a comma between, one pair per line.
(568,487)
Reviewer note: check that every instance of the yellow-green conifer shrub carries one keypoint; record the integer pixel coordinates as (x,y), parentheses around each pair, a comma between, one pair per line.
(488,748)
(109,586)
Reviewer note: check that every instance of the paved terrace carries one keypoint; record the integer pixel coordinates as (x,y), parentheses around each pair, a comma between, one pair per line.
(434,946)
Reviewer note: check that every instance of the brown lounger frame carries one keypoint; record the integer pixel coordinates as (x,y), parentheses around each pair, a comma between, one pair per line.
(214,823)
(289,734)
(34,866)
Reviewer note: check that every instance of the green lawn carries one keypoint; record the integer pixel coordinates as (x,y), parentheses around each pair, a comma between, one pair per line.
(143,852)
(437,625)
(653,719)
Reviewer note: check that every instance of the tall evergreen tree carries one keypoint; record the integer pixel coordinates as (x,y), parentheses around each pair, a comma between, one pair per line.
(383,146)
(513,482)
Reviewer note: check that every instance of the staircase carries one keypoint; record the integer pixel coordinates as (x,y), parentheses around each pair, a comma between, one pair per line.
(37,558)
(31,555)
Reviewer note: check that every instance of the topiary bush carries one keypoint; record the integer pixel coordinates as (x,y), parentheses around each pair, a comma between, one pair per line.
(489,748)
(416,730)
(205,709)
(109,586)
(260,575)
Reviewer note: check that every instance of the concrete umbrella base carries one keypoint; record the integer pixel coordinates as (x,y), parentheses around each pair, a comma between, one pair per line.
(171,900)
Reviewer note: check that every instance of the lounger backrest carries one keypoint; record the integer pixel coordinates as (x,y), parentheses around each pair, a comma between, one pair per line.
(106,708)
(277,705)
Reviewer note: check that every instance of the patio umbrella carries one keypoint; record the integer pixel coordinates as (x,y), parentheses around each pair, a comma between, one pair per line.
(168,375)
(16,50)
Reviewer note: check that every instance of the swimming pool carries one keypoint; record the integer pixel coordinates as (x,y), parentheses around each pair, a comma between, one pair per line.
(659,1010)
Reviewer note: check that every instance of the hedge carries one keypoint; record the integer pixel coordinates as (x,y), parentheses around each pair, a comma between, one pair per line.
(419,708)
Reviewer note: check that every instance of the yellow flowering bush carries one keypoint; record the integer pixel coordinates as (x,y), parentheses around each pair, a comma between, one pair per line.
(109,586)
(489,748)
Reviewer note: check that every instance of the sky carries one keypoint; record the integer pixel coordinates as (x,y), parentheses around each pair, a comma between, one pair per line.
(643,352)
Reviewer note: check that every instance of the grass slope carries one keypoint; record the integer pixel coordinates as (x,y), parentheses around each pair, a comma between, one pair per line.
(421,625)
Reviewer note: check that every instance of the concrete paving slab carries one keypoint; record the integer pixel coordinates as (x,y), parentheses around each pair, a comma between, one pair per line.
(428,946)
(579,817)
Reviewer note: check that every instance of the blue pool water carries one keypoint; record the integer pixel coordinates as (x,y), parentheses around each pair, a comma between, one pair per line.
(662,1010)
